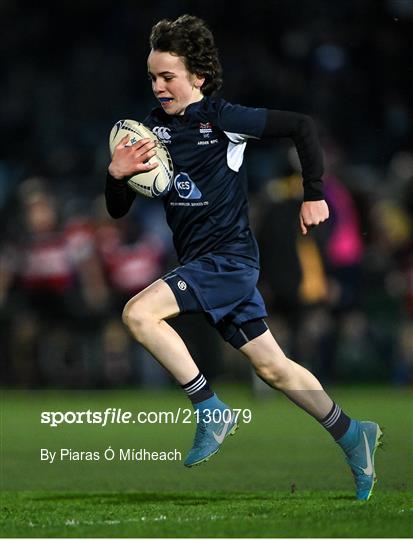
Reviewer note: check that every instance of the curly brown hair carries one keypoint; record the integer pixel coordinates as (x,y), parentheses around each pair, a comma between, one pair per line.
(190,38)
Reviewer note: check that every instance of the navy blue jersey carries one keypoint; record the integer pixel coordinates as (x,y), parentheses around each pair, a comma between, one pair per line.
(207,207)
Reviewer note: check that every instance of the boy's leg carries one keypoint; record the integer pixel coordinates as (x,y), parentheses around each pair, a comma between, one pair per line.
(144,315)
(296,382)
(359,440)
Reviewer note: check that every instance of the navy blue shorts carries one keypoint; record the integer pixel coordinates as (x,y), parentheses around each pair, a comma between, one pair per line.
(224,289)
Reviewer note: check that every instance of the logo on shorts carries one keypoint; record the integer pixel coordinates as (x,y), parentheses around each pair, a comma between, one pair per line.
(186,187)
(182,285)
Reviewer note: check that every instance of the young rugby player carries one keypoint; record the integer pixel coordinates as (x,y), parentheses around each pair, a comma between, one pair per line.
(207,210)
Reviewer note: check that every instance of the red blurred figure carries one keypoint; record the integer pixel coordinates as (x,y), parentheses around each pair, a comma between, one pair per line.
(54,273)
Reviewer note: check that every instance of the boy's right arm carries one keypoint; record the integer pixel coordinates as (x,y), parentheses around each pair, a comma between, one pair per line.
(126,162)
(119,197)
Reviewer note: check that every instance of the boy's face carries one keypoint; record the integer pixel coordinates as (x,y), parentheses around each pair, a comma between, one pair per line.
(173,85)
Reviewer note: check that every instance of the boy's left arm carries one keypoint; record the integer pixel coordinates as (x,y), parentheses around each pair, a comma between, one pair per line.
(302,130)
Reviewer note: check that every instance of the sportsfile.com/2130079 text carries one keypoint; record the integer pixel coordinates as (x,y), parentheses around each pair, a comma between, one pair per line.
(113,415)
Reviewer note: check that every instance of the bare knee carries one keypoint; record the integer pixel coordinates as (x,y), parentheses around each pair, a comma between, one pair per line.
(138,318)
(269,360)
(275,373)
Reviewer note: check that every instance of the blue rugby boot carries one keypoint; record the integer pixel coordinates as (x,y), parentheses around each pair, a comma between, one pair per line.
(211,431)
(360,443)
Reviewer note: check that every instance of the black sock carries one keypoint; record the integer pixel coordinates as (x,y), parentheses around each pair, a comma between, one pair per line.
(198,389)
(336,422)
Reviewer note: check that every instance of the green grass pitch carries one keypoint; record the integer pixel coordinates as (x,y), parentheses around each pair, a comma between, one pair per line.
(281,475)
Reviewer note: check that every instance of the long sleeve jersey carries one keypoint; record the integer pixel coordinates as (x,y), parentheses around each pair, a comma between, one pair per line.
(207,207)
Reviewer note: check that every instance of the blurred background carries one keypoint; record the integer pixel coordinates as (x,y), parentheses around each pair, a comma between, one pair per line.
(340,300)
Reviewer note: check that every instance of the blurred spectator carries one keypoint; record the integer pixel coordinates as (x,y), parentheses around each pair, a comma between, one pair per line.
(293,278)
(52,279)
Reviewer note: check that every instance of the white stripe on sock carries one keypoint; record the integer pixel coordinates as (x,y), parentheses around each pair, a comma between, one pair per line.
(197,388)
(333,418)
(199,379)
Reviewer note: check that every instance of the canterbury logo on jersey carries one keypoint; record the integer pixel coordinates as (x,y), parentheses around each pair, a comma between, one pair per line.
(186,187)
(162,133)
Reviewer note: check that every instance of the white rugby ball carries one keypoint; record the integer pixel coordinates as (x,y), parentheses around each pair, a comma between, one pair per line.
(158,181)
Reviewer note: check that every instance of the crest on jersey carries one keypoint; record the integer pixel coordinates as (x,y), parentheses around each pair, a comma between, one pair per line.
(205,128)
(186,187)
